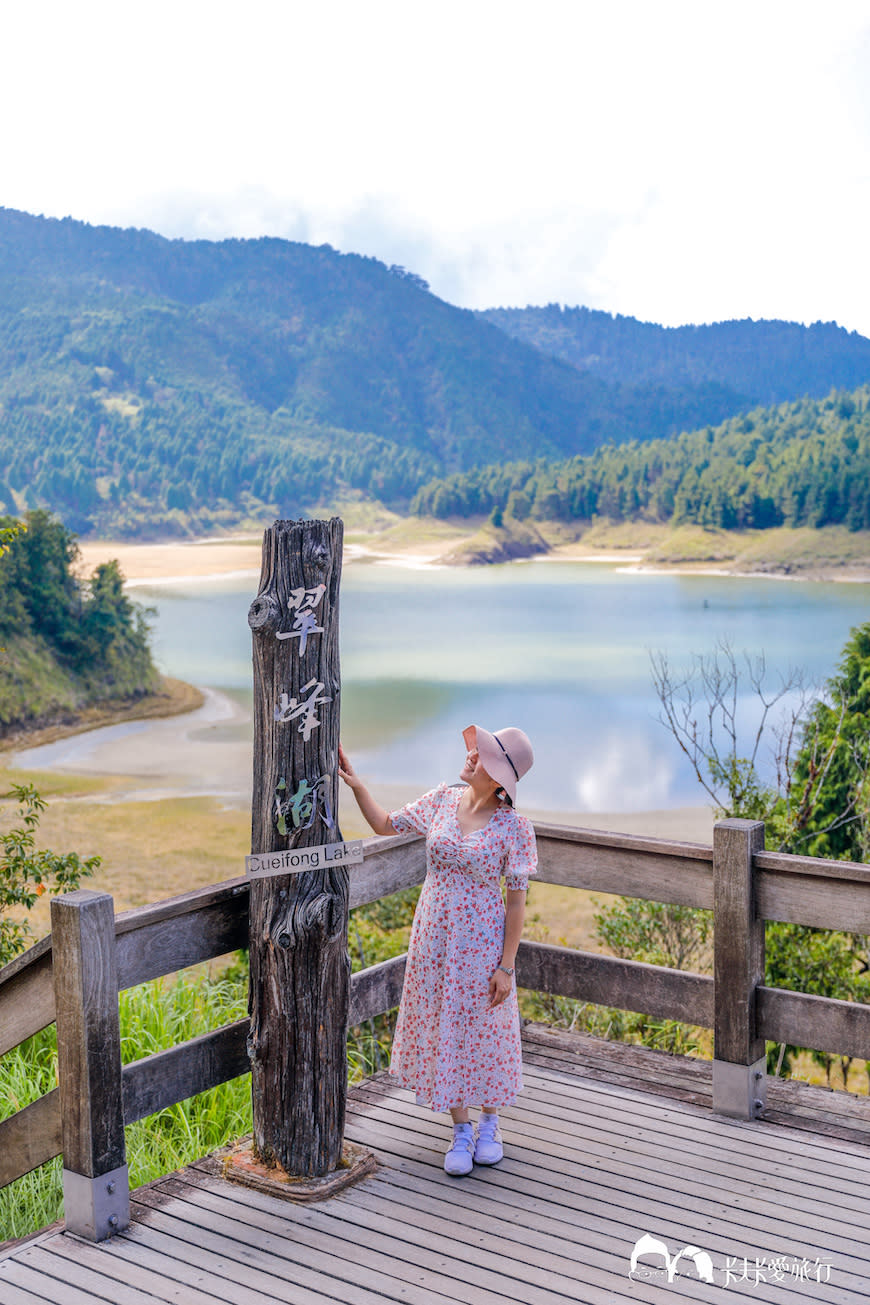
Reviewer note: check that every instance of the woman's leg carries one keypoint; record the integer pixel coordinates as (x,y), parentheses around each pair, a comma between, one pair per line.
(459,1159)
(487,1144)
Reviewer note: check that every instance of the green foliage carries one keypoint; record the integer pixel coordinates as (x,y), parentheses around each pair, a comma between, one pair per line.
(679,937)
(27,872)
(833,764)
(800,464)
(67,642)
(817,800)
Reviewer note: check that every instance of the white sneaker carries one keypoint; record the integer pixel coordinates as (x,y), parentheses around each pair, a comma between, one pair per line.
(487,1143)
(459,1159)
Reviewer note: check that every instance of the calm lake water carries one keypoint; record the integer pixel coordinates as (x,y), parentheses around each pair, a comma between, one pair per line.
(559,649)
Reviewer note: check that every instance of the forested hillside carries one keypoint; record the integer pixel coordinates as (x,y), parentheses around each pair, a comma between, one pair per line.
(64,644)
(757,363)
(149,381)
(167,386)
(804,463)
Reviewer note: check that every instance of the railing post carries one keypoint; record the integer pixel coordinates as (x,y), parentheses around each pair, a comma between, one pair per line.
(96,1193)
(739,1081)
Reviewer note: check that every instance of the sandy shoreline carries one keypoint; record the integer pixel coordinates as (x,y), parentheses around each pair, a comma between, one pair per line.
(239,558)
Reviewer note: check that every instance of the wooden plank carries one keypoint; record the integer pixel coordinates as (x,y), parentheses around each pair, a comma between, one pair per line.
(230,1261)
(334,1265)
(88,1032)
(651,868)
(647,1069)
(825,902)
(786,863)
(587,1217)
(599,1243)
(648,1165)
(30,1137)
(835,1186)
(161,1080)
(391,863)
(163,947)
(50,1290)
(432,1245)
(377,989)
(841,1027)
(107,1277)
(609,981)
(490,1240)
(738,948)
(13,1294)
(762,1144)
(669,1192)
(622,1209)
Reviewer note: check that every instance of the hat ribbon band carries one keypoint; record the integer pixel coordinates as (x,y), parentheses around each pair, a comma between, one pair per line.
(505,751)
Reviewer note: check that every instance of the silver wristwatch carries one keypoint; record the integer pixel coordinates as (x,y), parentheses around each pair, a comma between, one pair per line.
(505,970)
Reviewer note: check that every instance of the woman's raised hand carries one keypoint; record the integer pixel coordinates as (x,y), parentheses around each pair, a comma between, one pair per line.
(346,770)
(376,816)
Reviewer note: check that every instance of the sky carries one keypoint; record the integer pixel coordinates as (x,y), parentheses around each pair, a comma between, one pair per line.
(677,162)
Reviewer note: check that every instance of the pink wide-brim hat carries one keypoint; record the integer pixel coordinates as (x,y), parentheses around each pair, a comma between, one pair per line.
(506,755)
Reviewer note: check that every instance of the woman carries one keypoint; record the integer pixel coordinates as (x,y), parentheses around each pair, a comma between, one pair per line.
(457,1040)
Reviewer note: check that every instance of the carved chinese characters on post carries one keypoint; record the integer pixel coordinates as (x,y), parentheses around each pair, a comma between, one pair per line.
(302,806)
(303,602)
(304,709)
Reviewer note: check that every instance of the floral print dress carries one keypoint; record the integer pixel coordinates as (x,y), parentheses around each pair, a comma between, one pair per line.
(450,1047)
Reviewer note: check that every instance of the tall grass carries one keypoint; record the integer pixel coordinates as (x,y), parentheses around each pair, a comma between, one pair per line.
(153,1017)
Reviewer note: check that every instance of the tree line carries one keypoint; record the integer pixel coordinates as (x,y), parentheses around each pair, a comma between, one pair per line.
(805,463)
(66,641)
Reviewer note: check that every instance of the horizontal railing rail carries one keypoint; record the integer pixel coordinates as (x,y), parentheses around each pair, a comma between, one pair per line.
(165,937)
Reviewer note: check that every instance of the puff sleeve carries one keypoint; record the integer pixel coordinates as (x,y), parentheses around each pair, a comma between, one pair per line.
(416,817)
(522,855)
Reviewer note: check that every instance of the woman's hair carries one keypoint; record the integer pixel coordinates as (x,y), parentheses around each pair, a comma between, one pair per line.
(503,797)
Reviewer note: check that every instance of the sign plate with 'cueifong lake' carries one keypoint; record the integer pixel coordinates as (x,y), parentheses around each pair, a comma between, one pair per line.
(294,860)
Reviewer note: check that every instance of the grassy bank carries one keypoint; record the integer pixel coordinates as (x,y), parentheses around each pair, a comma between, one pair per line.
(170,698)
(829,553)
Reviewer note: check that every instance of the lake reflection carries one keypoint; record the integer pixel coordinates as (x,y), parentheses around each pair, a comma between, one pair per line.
(559,649)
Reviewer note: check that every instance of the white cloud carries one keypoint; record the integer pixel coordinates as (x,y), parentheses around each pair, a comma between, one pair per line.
(677,161)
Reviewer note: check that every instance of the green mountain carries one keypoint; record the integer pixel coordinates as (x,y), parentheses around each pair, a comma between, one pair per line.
(796,464)
(146,381)
(759,363)
(162,386)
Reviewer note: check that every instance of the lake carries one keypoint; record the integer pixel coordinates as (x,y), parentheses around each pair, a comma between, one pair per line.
(560,649)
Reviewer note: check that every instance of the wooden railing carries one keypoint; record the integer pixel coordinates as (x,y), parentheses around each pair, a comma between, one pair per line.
(742,884)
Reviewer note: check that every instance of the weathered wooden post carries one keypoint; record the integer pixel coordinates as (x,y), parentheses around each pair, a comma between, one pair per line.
(739,1079)
(300,968)
(96,1195)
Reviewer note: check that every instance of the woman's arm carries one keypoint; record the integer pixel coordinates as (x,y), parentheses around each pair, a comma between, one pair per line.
(514,915)
(373,812)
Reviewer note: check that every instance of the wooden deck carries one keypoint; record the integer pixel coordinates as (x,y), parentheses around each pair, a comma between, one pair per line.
(606,1144)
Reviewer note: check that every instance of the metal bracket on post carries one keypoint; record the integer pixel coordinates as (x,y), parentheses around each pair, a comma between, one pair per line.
(95,1208)
(739,1091)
